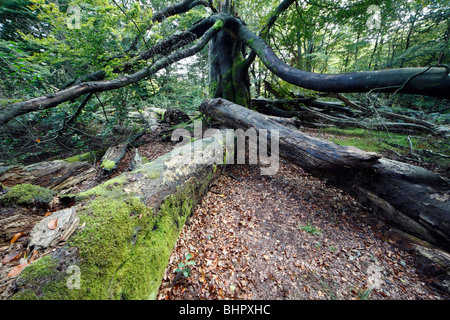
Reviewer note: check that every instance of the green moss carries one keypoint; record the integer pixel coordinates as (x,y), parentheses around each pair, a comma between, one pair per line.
(218,25)
(111,188)
(88,156)
(108,165)
(123,248)
(27,194)
(40,278)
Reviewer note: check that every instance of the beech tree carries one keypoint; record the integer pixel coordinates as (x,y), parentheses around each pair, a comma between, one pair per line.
(165,191)
(233,48)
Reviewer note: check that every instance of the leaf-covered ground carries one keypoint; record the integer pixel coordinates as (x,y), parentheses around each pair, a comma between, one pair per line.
(289,236)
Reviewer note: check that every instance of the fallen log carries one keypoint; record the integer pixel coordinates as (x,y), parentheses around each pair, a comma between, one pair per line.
(321,112)
(120,234)
(413,198)
(54,175)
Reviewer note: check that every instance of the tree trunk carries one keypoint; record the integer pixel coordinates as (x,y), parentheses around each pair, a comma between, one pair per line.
(425,81)
(415,199)
(228,70)
(124,230)
(54,175)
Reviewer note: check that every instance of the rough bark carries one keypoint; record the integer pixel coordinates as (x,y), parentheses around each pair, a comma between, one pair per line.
(54,175)
(15,220)
(414,198)
(126,230)
(228,70)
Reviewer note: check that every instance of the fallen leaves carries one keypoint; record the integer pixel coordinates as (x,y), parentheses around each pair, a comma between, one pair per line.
(17,270)
(52,224)
(12,256)
(16,236)
(247,244)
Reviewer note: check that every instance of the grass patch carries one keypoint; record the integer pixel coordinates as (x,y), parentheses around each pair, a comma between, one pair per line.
(309,228)
(380,142)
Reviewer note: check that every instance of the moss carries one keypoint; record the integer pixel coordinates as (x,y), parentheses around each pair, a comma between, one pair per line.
(88,156)
(111,188)
(108,165)
(27,194)
(39,280)
(124,250)
(218,25)
(151,256)
(124,247)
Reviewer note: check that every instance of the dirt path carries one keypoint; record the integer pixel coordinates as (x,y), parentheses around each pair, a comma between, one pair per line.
(289,236)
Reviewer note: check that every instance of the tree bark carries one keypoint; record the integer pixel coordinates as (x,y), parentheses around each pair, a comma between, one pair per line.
(425,81)
(54,175)
(127,228)
(228,70)
(413,198)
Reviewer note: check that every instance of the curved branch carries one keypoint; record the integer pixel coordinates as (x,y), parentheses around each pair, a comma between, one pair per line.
(433,81)
(265,30)
(45,102)
(159,16)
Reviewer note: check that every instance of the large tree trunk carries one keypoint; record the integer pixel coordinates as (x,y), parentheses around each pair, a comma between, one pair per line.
(228,71)
(415,199)
(425,81)
(120,234)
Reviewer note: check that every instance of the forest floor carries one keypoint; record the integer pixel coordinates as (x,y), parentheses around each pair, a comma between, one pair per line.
(286,236)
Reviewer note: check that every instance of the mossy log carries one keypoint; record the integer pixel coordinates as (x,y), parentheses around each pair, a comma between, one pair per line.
(20,208)
(126,230)
(54,175)
(413,198)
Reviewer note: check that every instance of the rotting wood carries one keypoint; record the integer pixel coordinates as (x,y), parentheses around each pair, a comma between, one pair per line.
(115,154)
(54,175)
(128,226)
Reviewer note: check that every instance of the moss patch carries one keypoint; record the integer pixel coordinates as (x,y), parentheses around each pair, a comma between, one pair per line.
(27,194)
(218,25)
(108,165)
(88,156)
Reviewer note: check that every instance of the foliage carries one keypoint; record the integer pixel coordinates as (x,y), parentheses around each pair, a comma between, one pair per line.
(309,228)
(40,54)
(183,267)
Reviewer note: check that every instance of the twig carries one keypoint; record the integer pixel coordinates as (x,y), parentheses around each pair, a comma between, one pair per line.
(139,30)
